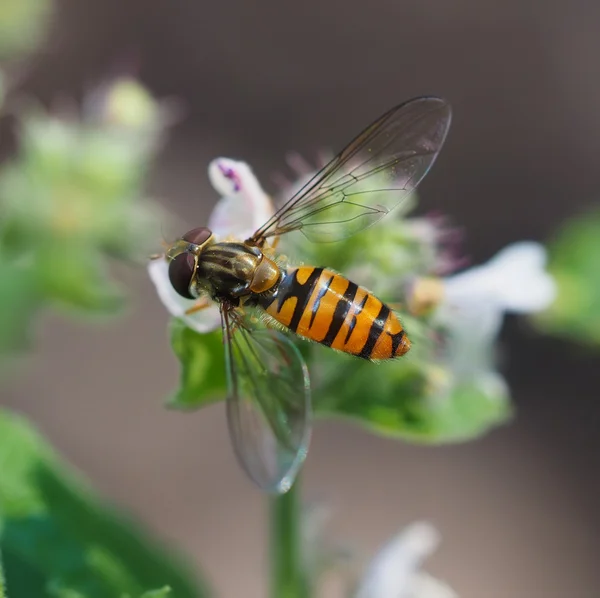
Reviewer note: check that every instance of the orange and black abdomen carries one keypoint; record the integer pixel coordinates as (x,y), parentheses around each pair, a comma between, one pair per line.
(327,308)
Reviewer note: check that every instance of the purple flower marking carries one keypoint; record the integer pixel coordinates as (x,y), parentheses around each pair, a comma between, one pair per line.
(230,174)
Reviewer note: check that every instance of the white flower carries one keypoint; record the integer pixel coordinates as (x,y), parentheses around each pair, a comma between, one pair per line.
(474,302)
(515,280)
(242,209)
(469,308)
(396,572)
(244,206)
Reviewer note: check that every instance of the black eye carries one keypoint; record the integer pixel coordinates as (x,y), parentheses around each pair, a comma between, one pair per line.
(181,270)
(198,236)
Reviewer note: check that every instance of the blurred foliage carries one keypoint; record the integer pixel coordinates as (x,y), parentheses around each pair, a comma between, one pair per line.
(58,539)
(22,26)
(70,201)
(2,583)
(162,593)
(18,301)
(408,402)
(575,264)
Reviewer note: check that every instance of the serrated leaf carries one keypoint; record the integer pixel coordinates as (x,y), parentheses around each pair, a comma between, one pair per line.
(202,379)
(575,265)
(57,538)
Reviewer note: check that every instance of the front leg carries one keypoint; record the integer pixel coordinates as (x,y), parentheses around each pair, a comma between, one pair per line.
(201,304)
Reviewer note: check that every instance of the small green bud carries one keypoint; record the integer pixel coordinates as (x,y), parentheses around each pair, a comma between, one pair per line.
(130,105)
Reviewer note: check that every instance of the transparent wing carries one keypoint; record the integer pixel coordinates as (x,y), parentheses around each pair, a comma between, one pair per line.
(268,405)
(369,177)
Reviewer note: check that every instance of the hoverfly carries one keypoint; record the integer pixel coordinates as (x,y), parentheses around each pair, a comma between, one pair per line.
(268,403)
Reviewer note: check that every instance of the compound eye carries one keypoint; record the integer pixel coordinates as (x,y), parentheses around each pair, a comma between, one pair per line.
(181,270)
(198,236)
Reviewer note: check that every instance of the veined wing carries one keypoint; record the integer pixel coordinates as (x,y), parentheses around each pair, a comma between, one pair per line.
(369,177)
(268,405)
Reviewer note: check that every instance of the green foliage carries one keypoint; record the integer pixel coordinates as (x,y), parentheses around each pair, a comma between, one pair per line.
(202,363)
(404,400)
(22,26)
(411,398)
(83,282)
(58,539)
(162,593)
(70,203)
(575,264)
(18,304)
(2,584)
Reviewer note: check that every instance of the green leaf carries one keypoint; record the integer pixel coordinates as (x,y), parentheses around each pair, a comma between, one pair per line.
(202,380)
(162,593)
(412,400)
(58,539)
(24,577)
(575,264)
(2,584)
(469,410)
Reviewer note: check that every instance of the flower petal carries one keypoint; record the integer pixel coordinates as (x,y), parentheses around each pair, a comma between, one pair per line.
(391,572)
(202,321)
(514,280)
(244,207)
(423,585)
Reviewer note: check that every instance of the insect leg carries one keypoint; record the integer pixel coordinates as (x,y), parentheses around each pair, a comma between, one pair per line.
(165,246)
(201,304)
(275,242)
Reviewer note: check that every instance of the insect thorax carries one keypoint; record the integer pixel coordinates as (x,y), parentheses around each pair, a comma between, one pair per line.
(227,269)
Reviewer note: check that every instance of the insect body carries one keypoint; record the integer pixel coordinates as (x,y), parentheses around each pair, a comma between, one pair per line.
(323,306)
(268,404)
(315,303)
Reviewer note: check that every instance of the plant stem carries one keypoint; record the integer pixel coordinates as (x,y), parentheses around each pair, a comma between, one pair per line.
(288,577)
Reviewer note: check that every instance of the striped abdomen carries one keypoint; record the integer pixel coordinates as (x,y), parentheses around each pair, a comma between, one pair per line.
(329,309)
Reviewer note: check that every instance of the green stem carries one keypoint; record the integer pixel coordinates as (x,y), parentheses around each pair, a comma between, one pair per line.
(288,577)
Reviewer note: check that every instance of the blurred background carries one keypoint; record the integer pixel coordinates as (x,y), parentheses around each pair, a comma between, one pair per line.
(518,509)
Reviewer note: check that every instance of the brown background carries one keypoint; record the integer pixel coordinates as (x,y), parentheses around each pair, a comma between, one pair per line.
(518,510)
